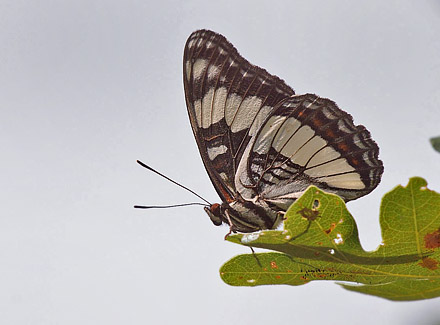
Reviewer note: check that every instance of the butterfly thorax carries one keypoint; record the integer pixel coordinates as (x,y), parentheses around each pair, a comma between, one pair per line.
(244,216)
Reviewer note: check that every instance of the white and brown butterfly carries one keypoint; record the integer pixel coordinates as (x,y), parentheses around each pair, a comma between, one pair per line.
(262,145)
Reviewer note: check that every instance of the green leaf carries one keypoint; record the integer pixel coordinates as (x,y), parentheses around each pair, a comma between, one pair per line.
(435,142)
(320,242)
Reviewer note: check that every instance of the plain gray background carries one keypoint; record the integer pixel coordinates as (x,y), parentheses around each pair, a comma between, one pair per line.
(88,87)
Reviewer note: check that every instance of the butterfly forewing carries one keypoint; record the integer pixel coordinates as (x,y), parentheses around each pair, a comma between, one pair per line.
(227,99)
(308,140)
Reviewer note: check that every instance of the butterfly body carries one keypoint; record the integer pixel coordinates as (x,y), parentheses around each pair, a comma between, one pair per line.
(244,216)
(263,145)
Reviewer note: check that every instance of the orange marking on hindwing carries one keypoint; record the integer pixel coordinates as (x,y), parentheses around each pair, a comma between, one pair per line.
(343,146)
(330,133)
(317,122)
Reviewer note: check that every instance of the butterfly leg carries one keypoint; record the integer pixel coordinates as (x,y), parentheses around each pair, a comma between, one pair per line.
(279,218)
(231,226)
(281,215)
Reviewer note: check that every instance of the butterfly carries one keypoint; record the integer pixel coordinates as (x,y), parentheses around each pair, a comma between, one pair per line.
(262,145)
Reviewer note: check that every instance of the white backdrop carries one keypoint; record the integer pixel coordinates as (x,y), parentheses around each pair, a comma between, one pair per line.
(88,87)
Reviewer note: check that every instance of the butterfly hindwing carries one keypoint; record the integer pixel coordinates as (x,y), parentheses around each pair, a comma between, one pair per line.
(227,99)
(308,140)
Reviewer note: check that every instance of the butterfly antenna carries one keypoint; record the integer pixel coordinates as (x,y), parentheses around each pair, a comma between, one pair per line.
(167,206)
(172,181)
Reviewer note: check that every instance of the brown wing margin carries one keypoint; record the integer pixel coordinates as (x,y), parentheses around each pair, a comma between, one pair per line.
(227,100)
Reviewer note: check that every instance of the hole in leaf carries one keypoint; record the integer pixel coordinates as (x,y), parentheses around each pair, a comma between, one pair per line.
(316,204)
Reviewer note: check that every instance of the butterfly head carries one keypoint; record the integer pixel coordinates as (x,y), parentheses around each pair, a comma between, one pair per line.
(214,212)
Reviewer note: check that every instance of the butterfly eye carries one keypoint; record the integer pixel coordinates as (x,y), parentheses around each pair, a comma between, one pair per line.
(215,209)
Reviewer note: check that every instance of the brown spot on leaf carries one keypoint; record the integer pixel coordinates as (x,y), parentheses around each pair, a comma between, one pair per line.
(309,214)
(278,276)
(273,265)
(319,243)
(432,240)
(332,227)
(317,253)
(429,263)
